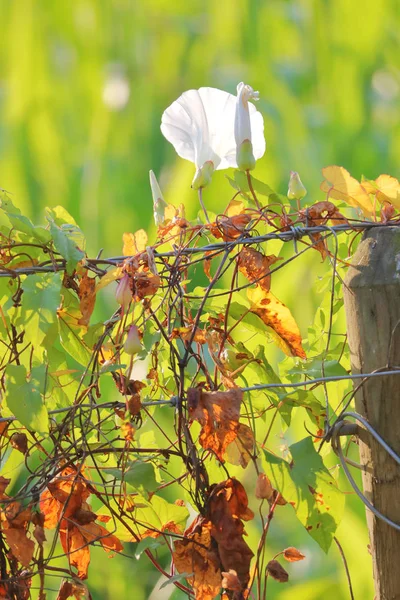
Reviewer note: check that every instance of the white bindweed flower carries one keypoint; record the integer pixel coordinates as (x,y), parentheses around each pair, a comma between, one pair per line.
(249,146)
(200,126)
(159,203)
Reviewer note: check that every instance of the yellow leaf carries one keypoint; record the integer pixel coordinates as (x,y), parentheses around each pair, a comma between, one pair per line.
(388,189)
(235,207)
(340,185)
(134,242)
(277,316)
(111,275)
(171,212)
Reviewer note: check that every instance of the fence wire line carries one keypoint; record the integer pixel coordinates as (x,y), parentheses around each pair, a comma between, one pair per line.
(292,235)
(337,447)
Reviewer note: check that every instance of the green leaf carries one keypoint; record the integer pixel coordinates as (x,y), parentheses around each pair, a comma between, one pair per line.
(24,396)
(174,578)
(61,216)
(297,398)
(241,184)
(158,513)
(138,474)
(66,239)
(148,543)
(71,340)
(313,368)
(39,307)
(22,223)
(309,487)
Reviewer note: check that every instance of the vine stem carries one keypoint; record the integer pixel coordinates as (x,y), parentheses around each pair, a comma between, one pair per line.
(200,190)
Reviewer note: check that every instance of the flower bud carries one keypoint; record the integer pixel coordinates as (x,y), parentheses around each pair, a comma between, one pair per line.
(133,345)
(296,190)
(123,294)
(244,148)
(203,175)
(264,487)
(158,201)
(245,157)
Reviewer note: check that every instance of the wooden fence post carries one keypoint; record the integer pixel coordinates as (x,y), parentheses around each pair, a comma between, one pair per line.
(372,301)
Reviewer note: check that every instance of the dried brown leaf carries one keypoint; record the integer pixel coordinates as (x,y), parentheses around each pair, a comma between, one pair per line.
(291,554)
(275,569)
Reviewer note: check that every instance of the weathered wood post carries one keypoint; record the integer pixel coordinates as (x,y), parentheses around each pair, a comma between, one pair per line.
(372,301)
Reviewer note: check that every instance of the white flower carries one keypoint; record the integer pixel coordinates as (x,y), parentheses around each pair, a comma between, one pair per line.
(247,149)
(159,203)
(200,126)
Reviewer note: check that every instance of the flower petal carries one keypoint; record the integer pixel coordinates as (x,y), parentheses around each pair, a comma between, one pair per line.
(200,126)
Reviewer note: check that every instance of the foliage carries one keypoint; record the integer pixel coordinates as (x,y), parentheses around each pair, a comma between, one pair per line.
(97,467)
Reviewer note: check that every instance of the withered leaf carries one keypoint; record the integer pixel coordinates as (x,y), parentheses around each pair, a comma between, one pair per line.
(264,489)
(87,297)
(230,580)
(319,214)
(291,554)
(197,554)
(218,414)
(275,569)
(20,545)
(227,509)
(277,316)
(239,451)
(72,588)
(19,441)
(185,334)
(230,228)
(255,266)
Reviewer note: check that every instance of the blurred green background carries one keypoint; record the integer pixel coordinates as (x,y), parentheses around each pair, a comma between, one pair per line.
(83,84)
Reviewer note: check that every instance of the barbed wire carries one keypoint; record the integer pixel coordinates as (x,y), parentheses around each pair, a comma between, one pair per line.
(294,234)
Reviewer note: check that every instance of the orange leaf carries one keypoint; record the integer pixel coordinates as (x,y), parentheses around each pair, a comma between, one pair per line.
(3,484)
(340,185)
(185,334)
(76,548)
(230,228)
(196,554)
(255,266)
(69,490)
(319,214)
(20,545)
(93,532)
(51,508)
(277,316)
(218,414)
(291,554)
(87,298)
(72,588)
(134,242)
